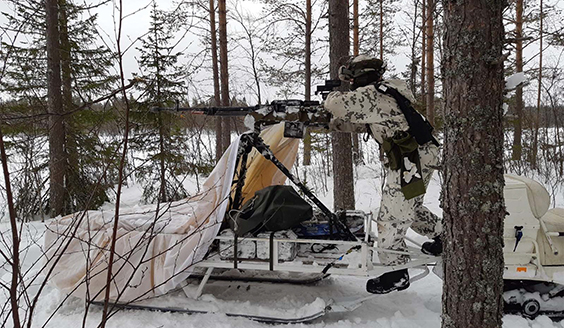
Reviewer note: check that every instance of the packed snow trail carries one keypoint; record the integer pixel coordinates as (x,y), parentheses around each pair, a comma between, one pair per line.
(418,306)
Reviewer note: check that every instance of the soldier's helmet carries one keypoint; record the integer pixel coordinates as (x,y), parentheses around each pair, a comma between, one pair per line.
(362,66)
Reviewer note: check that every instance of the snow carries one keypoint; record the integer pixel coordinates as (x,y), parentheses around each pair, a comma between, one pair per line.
(514,80)
(418,306)
(293,109)
(249,122)
(264,110)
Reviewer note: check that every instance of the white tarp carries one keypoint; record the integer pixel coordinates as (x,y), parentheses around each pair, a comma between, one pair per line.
(157,245)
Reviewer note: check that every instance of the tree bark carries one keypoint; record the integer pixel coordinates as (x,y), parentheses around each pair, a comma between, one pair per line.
(423,49)
(307,137)
(72,178)
(343,189)
(15,260)
(216,91)
(413,58)
(381,33)
(57,160)
(473,190)
(356,31)
(357,152)
(537,116)
(518,123)
(224,74)
(430,62)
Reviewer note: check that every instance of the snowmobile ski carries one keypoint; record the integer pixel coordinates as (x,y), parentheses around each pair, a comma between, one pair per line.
(259,318)
(306,280)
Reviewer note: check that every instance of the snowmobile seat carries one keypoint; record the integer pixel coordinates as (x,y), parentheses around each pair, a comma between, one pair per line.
(554,222)
(538,198)
(526,201)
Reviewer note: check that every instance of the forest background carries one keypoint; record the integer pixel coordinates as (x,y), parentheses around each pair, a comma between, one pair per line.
(167,46)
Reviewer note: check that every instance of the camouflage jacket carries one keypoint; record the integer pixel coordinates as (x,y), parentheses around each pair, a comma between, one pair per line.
(352,110)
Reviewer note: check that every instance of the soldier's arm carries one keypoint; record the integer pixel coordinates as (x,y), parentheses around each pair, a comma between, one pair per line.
(362,106)
(337,124)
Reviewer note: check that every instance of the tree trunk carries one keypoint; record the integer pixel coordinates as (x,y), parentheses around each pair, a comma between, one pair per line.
(381,34)
(343,189)
(356,39)
(307,137)
(216,91)
(413,58)
(537,116)
(72,176)
(430,62)
(518,123)
(357,152)
(163,197)
(225,100)
(473,190)
(423,50)
(57,160)
(15,260)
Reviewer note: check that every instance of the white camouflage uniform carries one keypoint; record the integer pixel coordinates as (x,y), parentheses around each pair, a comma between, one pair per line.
(366,105)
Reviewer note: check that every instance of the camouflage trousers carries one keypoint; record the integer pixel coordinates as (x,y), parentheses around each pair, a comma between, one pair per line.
(397,214)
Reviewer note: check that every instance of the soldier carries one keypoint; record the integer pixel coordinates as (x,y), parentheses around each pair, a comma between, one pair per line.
(374,105)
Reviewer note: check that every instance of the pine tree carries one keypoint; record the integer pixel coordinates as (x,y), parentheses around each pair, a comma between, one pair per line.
(159,135)
(339,45)
(57,165)
(85,73)
(518,122)
(473,189)
(224,72)
(430,52)
(377,34)
(290,40)
(292,43)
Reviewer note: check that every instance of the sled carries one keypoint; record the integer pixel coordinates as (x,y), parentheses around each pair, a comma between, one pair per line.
(348,254)
(534,250)
(339,252)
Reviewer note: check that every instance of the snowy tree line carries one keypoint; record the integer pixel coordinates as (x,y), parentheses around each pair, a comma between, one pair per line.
(282,47)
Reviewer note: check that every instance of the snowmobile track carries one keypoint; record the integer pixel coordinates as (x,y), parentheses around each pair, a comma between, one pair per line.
(264,319)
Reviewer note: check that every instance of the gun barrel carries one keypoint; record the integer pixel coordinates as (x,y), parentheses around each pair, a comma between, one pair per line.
(309,113)
(212,111)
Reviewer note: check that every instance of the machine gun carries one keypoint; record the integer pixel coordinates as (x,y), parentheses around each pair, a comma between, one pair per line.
(297,115)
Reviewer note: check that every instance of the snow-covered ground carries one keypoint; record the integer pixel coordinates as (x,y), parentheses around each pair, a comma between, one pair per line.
(418,306)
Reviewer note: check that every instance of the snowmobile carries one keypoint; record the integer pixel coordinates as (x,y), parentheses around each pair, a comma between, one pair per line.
(533,251)
(301,252)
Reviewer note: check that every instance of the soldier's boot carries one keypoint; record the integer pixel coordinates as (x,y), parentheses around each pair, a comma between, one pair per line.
(434,248)
(388,282)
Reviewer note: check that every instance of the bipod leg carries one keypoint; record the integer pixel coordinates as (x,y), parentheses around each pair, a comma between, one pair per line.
(203,282)
(333,220)
(245,147)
